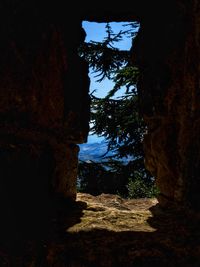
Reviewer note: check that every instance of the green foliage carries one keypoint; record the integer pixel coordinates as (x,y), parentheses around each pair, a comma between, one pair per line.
(119,121)
(139,188)
(103,58)
(95,178)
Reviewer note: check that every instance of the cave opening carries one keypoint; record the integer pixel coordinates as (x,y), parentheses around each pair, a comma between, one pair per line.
(44,115)
(112,160)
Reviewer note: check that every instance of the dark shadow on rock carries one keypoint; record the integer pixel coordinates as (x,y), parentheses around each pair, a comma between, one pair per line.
(175,242)
(66,213)
(30,214)
(102,248)
(175,219)
(25,235)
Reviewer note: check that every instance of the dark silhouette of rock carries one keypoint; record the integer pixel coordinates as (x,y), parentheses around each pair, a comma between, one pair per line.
(44,113)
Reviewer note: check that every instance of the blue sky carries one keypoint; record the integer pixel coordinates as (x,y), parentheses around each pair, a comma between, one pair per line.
(97,32)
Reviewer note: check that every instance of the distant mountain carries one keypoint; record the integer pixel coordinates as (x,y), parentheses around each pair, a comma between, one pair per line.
(94,151)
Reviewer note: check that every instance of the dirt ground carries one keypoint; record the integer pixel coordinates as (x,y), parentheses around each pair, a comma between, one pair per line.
(109,231)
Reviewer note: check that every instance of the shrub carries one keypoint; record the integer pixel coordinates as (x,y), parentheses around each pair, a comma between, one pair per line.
(139,188)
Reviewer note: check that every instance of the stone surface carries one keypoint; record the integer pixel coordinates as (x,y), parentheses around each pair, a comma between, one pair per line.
(113,213)
(44,113)
(109,231)
(167,53)
(44,98)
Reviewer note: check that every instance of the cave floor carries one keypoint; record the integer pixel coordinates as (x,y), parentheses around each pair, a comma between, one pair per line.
(109,231)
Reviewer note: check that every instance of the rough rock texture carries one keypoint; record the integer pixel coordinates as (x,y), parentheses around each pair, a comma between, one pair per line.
(44,113)
(44,88)
(108,231)
(167,52)
(43,98)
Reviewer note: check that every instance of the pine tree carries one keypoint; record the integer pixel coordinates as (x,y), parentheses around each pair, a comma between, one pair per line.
(118,120)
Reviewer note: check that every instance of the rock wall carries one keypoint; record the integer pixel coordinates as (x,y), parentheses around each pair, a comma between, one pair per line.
(167,53)
(44,102)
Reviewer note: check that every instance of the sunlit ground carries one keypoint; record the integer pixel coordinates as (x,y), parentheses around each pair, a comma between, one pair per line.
(113,213)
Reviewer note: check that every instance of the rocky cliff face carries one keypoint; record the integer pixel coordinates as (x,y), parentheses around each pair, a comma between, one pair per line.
(44,113)
(43,89)
(44,103)
(167,52)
